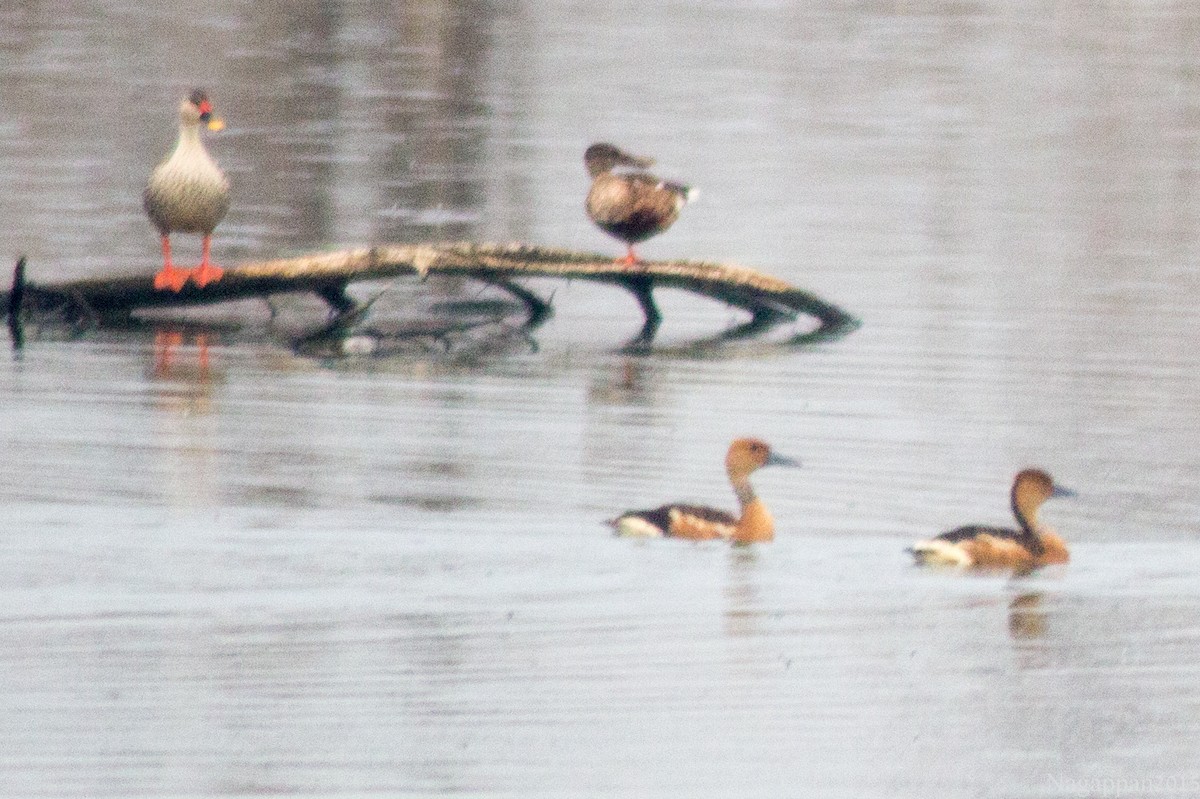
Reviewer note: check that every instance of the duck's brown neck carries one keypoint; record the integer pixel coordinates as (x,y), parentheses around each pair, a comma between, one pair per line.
(743,489)
(755,523)
(1026,515)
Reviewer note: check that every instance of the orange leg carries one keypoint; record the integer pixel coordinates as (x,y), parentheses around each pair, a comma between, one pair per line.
(630,258)
(206,272)
(170,276)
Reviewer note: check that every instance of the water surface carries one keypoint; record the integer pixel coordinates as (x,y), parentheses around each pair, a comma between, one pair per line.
(232,570)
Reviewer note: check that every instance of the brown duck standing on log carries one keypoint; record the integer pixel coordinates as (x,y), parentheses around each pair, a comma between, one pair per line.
(188,193)
(630,205)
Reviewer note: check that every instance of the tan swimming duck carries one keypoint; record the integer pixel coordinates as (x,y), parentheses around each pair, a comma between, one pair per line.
(630,205)
(700,523)
(188,193)
(1031,545)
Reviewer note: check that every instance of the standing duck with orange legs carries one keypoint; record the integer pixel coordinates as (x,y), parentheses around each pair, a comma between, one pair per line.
(627,203)
(1031,545)
(701,523)
(188,193)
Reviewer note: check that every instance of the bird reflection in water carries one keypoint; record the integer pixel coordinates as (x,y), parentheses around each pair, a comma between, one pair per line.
(182,371)
(182,381)
(744,611)
(172,363)
(631,382)
(1027,617)
(166,356)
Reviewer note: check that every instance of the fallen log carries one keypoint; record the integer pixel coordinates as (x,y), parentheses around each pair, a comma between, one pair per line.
(769,301)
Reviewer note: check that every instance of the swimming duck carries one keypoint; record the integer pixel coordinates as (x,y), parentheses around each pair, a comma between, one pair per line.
(631,206)
(188,193)
(1032,545)
(701,523)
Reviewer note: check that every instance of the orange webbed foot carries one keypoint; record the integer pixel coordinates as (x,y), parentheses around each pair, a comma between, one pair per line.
(172,278)
(204,274)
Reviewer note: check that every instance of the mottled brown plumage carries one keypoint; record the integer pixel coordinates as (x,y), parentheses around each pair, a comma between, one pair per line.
(630,204)
(701,523)
(188,193)
(1030,545)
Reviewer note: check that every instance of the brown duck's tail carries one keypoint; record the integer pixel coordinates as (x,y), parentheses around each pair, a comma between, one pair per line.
(686,193)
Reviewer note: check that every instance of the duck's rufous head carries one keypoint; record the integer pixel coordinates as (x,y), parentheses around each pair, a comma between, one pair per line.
(1032,487)
(748,454)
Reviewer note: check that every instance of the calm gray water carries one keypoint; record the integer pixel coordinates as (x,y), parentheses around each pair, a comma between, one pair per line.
(230,570)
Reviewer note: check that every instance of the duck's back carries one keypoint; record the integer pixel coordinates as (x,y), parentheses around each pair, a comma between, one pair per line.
(970,531)
(678,520)
(634,206)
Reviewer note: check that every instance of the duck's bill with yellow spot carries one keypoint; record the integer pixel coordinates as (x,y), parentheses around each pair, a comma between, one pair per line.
(216,123)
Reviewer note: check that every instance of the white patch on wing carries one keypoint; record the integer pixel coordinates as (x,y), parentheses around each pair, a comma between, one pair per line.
(940,553)
(637,527)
